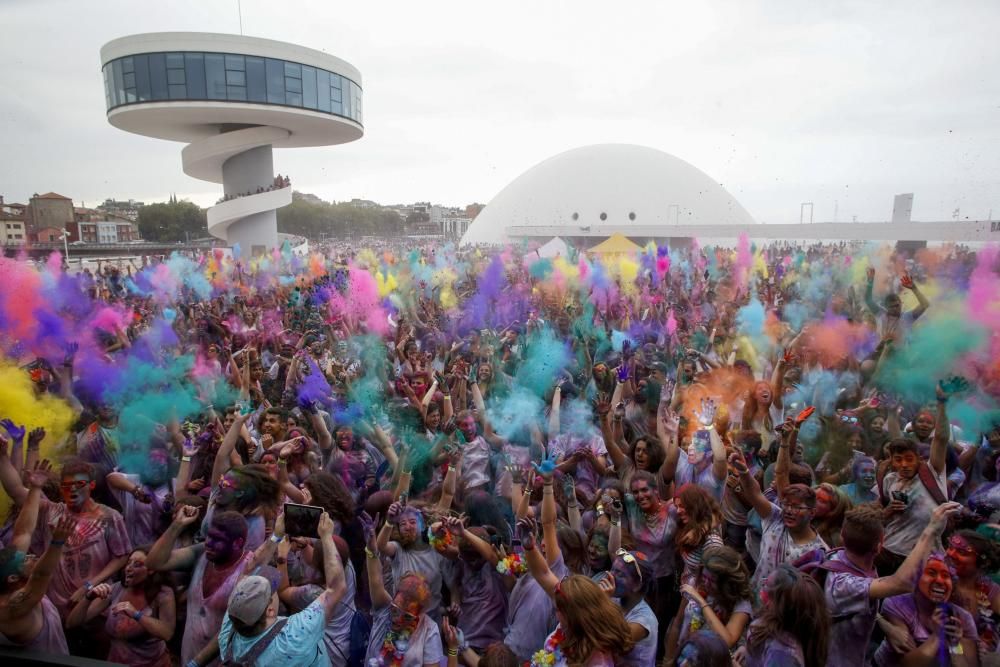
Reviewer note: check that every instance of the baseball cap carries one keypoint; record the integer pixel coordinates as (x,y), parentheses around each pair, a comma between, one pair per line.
(252,594)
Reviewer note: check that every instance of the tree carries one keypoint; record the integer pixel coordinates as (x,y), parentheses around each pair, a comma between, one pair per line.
(321,220)
(172,221)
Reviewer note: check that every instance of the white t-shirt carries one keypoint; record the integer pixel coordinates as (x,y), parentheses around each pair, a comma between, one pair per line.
(903,530)
(642,654)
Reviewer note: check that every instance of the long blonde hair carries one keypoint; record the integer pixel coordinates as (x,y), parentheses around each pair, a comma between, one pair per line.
(592,622)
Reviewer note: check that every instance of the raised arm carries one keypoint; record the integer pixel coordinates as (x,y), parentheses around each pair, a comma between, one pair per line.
(222,460)
(549,514)
(162,556)
(869,287)
(23,601)
(942,433)
(554,412)
(901,581)
(922,303)
(384,546)
(667,426)
(751,489)
(376,586)
(537,564)
(9,477)
(336,582)
(27,519)
(602,407)
(783,465)
(477,399)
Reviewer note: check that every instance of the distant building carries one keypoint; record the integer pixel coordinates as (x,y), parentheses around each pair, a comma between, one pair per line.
(451,222)
(47,212)
(12,226)
(122,209)
(103,231)
(363,203)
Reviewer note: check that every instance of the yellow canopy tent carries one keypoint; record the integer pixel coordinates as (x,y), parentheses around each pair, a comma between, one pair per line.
(615,245)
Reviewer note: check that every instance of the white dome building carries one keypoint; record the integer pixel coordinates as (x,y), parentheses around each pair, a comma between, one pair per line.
(605,188)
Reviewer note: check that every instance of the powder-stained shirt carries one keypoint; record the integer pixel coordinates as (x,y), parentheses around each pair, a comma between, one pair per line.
(643,654)
(98,539)
(853,611)
(777,546)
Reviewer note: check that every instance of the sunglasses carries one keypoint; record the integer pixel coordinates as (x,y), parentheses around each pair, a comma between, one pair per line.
(406,616)
(630,559)
(848,419)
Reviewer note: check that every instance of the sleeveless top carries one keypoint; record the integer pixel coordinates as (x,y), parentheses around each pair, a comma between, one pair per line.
(204,614)
(50,639)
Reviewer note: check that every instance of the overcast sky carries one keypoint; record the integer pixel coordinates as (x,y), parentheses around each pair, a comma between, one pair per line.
(782,102)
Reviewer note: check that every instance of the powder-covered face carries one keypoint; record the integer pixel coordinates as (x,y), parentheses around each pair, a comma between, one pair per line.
(410,526)
(220,547)
(762,393)
(700,447)
(935,582)
(824,503)
(467,425)
(135,569)
(597,552)
(155,472)
(76,491)
(644,494)
(626,577)
(866,475)
(796,514)
(682,515)
(962,556)
(878,424)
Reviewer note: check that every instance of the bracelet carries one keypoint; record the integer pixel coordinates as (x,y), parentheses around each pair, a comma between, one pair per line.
(137,616)
(453,652)
(370,554)
(280,561)
(87,585)
(185,459)
(943,400)
(276,539)
(616,523)
(56,543)
(447,397)
(192,663)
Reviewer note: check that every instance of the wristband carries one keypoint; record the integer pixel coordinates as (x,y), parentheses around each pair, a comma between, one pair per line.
(56,543)
(185,459)
(280,561)
(87,585)
(370,554)
(192,663)
(137,616)
(942,400)
(453,652)
(275,538)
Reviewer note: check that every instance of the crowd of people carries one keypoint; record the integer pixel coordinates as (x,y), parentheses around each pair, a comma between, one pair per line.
(770,455)
(279,183)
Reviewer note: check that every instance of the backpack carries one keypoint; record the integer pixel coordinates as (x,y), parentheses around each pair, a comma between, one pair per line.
(361,630)
(250,659)
(926,477)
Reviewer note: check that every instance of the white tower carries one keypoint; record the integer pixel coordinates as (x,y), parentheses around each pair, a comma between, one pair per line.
(232,99)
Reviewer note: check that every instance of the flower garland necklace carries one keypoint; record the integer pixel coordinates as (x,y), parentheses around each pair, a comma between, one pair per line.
(394,648)
(439,542)
(550,655)
(512,564)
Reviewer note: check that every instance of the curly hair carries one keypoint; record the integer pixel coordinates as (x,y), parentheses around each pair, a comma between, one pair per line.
(987,552)
(654,452)
(329,492)
(796,606)
(592,622)
(703,516)
(267,492)
(732,579)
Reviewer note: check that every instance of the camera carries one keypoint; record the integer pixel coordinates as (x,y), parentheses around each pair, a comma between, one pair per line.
(901,496)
